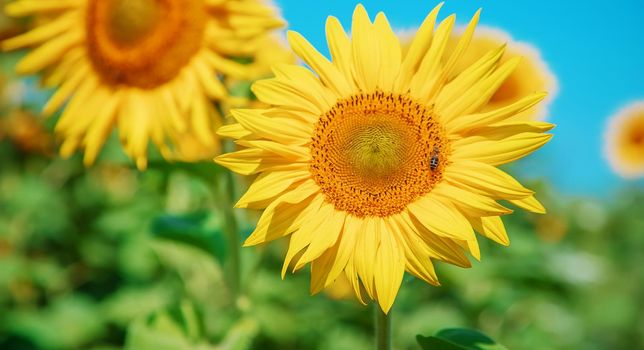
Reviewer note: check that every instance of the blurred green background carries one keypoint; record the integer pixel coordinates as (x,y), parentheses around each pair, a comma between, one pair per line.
(110,258)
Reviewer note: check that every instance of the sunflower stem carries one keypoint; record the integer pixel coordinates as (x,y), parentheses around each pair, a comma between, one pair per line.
(226,186)
(382,328)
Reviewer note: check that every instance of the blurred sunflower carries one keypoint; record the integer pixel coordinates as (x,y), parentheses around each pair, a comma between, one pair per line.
(147,66)
(382,162)
(273,50)
(624,141)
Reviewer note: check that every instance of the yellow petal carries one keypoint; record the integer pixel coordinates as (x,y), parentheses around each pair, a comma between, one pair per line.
(31,7)
(311,227)
(491,227)
(389,268)
(324,238)
(285,214)
(304,81)
(339,46)
(352,275)
(329,74)
(506,129)
(451,93)
(390,53)
(269,185)
(252,161)
(485,179)
(367,242)
(49,52)
(291,152)
(438,247)
(280,129)
(428,72)
(101,127)
(277,93)
(440,218)
(417,50)
(468,201)
(210,83)
(235,131)
(497,152)
(480,93)
(416,253)
(530,204)
(41,33)
(465,123)
(66,90)
(366,61)
(346,245)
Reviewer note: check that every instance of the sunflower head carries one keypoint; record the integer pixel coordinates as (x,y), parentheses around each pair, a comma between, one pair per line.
(152,68)
(377,162)
(624,141)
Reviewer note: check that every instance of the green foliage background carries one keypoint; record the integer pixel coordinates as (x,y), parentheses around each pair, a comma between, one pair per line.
(109,258)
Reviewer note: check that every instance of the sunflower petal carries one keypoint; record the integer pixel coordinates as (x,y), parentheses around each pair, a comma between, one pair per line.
(269,185)
(366,61)
(417,49)
(491,227)
(329,74)
(285,214)
(440,218)
(485,179)
(497,152)
(529,204)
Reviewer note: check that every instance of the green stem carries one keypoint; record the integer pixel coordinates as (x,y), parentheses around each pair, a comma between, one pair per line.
(226,186)
(382,329)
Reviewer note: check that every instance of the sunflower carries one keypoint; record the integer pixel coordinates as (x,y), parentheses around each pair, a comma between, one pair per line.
(624,141)
(375,163)
(149,67)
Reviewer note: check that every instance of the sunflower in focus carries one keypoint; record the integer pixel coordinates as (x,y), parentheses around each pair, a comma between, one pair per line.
(375,163)
(624,141)
(531,75)
(149,67)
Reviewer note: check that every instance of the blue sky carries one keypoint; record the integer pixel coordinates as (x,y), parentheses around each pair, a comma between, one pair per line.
(596,50)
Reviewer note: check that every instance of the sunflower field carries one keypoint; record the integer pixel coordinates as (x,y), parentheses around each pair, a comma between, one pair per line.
(247,174)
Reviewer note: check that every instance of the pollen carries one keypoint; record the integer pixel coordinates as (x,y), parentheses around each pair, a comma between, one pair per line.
(371,153)
(143,43)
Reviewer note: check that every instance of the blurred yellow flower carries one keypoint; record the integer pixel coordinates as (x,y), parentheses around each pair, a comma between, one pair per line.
(624,141)
(148,67)
(381,163)
(273,50)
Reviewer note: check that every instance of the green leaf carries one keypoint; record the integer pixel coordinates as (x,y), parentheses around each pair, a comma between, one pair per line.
(179,327)
(191,229)
(458,339)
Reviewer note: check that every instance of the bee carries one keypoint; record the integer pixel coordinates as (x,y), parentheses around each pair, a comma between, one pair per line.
(433,161)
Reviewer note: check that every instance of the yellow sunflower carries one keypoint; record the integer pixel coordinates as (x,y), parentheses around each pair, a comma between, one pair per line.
(375,163)
(149,67)
(624,141)
(531,75)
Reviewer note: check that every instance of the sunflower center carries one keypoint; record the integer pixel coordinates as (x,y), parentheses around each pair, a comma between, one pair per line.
(143,43)
(130,21)
(373,154)
(376,149)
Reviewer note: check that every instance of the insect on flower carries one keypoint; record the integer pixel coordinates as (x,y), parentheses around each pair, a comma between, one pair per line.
(433,161)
